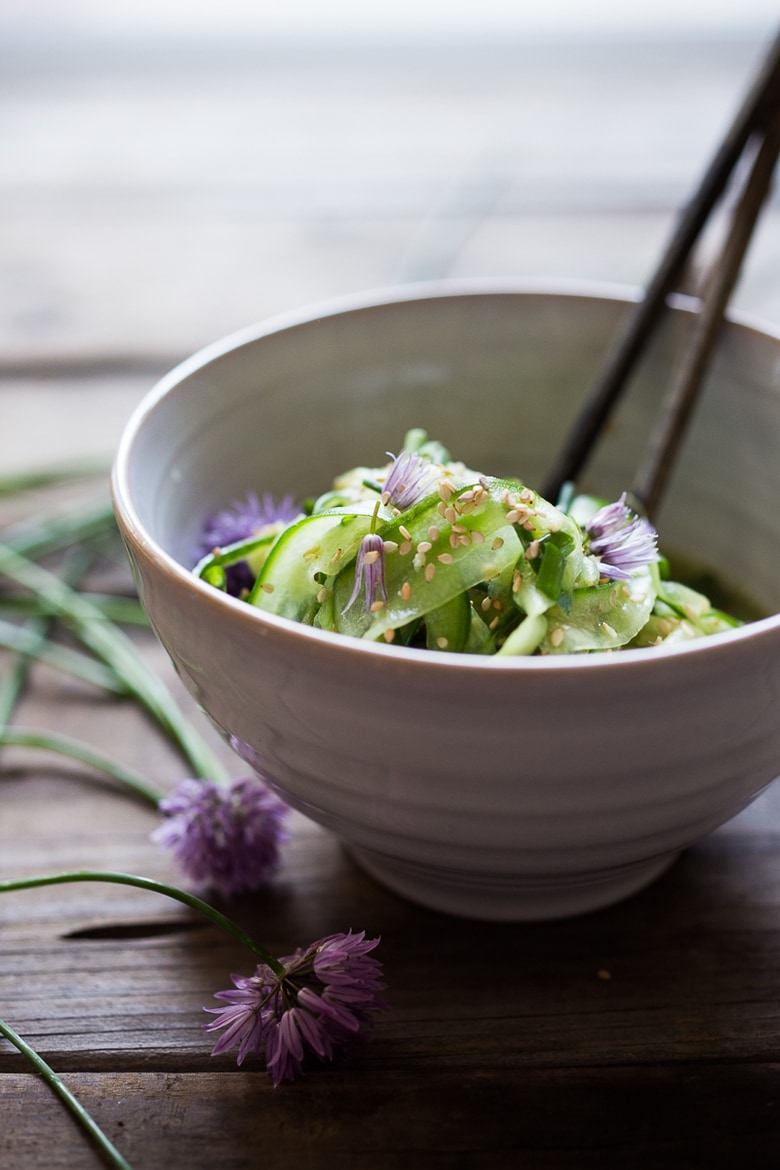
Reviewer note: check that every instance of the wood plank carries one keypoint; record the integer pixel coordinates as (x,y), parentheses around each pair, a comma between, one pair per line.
(154,201)
(51,420)
(643,1035)
(684,1119)
(692,961)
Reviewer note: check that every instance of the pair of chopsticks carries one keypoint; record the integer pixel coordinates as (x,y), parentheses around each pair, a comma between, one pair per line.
(753,135)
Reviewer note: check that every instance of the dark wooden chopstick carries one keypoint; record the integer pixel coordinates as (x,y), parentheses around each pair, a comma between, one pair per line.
(680,398)
(756,118)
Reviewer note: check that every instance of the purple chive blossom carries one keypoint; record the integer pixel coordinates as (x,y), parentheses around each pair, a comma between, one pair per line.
(369,572)
(411,477)
(621,540)
(224,836)
(240,521)
(321,1001)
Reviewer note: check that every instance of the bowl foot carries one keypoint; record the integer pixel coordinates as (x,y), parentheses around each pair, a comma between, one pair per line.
(510,897)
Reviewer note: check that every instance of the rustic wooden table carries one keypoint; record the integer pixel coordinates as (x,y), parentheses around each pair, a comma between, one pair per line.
(154,202)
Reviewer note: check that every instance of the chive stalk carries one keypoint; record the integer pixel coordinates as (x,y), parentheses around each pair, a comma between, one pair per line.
(115,649)
(83,1117)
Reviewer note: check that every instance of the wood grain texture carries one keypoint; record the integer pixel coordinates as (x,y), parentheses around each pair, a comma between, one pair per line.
(156,197)
(645,1035)
(464,1119)
(648,1032)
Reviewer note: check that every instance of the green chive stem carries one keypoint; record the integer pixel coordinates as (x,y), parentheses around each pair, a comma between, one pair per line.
(40,536)
(143,883)
(33,644)
(63,1092)
(123,611)
(63,745)
(23,481)
(115,649)
(14,677)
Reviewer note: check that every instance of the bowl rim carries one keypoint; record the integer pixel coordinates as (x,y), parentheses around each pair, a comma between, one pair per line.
(136,535)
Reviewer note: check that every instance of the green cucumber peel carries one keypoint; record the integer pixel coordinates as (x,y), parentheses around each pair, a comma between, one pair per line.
(211,568)
(480,565)
(304,555)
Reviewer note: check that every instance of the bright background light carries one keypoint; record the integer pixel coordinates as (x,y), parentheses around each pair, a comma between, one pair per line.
(390,19)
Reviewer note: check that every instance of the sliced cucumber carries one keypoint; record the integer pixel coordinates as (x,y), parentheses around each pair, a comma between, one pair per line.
(447,627)
(305,554)
(254,551)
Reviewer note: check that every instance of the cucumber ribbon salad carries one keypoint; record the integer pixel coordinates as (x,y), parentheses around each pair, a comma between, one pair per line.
(425,552)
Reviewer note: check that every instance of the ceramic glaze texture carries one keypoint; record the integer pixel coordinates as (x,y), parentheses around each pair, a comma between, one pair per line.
(503,789)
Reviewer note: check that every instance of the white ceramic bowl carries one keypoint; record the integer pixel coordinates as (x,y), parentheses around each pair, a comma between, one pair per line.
(492,788)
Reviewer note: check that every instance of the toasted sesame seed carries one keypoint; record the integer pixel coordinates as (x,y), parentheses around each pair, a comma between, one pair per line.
(497,543)
(388,635)
(430,572)
(526,495)
(528,525)
(517,580)
(405,548)
(483,479)
(371,557)
(477,536)
(494,624)
(391,546)
(512,516)
(433,534)
(464,538)
(485,604)
(267,587)
(445,558)
(424,546)
(454,540)
(406,591)
(532,550)
(377,605)
(446,490)
(466,497)
(442,643)
(557,636)
(405,533)
(498,603)
(450,515)
(441,508)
